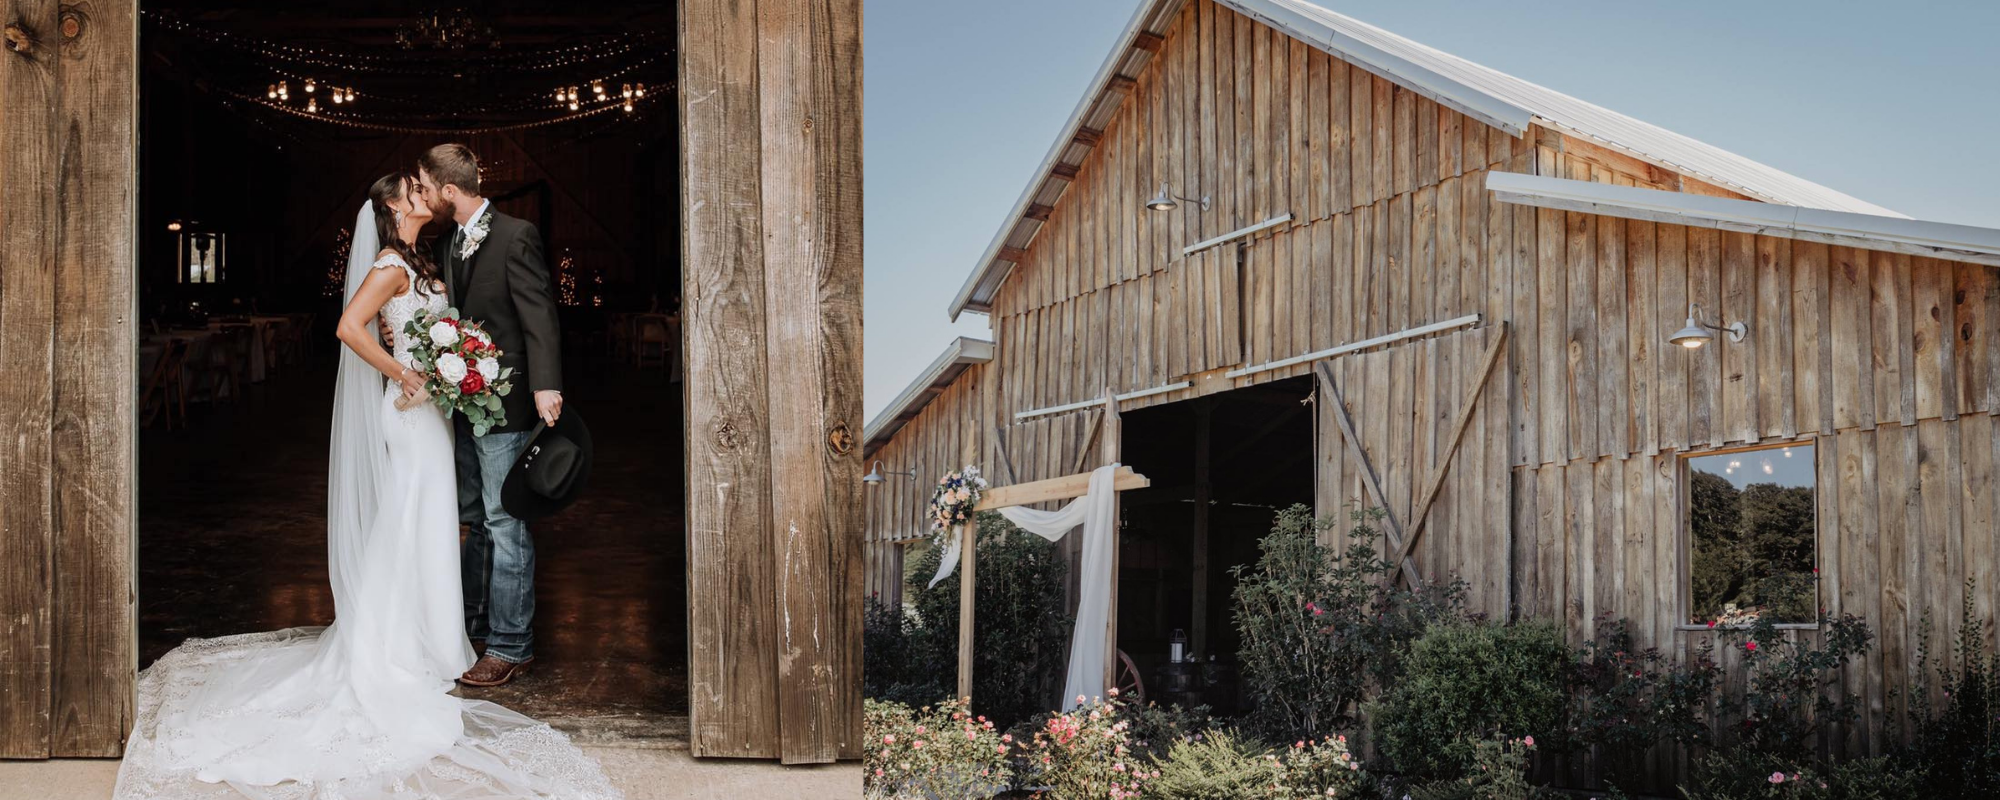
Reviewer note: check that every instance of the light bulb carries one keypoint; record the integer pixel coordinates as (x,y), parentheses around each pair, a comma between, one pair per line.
(597,88)
(628,91)
(572,105)
(350,94)
(640,90)
(312,106)
(337,98)
(628,106)
(271,92)
(310,86)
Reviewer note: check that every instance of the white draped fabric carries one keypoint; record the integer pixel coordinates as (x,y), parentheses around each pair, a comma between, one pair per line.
(1096,511)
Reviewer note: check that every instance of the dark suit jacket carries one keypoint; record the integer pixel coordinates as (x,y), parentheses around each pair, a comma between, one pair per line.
(506,290)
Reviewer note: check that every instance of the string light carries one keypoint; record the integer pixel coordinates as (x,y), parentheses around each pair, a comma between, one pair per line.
(597,88)
(620,45)
(628,91)
(312,106)
(310,86)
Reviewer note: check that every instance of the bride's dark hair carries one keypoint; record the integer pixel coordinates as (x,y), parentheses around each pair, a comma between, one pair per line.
(396,186)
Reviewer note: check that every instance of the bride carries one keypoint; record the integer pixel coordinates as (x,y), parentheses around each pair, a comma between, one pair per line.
(359,709)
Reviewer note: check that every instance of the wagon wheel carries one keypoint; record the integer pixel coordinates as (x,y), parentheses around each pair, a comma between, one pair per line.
(1131,688)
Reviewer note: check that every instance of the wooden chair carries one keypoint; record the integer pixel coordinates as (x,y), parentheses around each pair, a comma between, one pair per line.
(163,390)
(650,342)
(228,362)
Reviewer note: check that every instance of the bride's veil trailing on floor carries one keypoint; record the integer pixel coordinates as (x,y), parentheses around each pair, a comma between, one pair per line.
(360,709)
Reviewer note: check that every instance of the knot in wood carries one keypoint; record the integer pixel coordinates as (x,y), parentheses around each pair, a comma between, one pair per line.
(20,40)
(727,437)
(809,125)
(72,23)
(841,440)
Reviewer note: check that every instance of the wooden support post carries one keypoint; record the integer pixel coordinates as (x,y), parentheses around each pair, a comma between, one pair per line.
(1110,428)
(1202,496)
(968,571)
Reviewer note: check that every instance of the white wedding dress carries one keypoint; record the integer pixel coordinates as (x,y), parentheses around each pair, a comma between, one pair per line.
(360,709)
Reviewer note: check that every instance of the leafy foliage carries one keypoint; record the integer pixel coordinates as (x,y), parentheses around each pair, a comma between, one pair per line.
(1790,696)
(1020,638)
(1463,682)
(1752,775)
(1221,765)
(940,751)
(1956,743)
(1498,771)
(1155,727)
(1320,769)
(1087,753)
(1318,625)
(1623,700)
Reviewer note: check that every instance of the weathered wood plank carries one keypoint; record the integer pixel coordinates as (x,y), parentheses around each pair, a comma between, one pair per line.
(1853,370)
(1670,249)
(94,436)
(1614,398)
(1738,406)
(732,627)
(1644,340)
(1931,287)
(1581,338)
(1973,297)
(28,257)
(1706,417)
(1889,307)
(1811,337)
(1552,282)
(1776,411)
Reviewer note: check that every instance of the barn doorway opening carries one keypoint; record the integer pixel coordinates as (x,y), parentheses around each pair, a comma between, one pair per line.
(1222,466)
(260,130)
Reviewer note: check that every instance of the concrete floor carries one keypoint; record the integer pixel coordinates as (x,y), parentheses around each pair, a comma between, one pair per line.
(642,773)
(232,533)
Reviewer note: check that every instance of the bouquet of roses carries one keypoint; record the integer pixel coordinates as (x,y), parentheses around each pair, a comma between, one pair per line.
(956,495)
(461,367)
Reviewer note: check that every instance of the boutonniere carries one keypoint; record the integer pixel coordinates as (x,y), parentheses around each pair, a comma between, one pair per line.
(474,235)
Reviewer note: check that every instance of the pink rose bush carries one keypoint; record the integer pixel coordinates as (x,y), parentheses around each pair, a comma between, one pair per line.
(940,751)
(1315,769)
(1087,753)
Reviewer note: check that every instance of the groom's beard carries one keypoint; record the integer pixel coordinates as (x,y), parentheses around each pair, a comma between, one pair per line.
(443,209)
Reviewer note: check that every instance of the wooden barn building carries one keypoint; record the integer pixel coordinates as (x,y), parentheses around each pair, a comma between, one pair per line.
(1318,262)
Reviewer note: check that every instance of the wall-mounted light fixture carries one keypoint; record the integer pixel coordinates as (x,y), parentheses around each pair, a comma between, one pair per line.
(1166,200)
(1697,332)
(874,476)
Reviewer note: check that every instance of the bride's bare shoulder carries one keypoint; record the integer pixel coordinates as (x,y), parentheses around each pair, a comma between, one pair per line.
(388,258)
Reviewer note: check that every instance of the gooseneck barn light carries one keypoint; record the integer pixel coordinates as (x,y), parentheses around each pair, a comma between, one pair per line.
(874,476)
(1697,332)
(1166,200)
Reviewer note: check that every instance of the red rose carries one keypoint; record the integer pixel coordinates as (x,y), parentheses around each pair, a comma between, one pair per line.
(473,383)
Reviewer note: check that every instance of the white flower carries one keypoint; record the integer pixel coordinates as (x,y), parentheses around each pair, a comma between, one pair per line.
(482,337)
(450,367)
(443,334)
(489,368)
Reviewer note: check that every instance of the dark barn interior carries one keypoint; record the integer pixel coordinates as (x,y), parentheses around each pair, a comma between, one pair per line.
(1221,467)
(261,127)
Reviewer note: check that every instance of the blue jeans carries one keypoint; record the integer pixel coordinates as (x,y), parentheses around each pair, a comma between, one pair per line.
(497,561)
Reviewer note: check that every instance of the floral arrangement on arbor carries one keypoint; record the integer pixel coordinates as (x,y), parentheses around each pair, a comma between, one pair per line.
(952,502)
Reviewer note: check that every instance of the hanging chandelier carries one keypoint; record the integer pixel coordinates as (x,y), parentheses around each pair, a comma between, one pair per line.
(447,29)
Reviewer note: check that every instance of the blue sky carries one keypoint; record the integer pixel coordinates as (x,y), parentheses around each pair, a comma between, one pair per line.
(1895,103)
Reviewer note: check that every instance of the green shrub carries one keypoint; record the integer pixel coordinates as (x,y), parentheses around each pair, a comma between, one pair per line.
(1463,682)
(1623,700)
(1498,771)
(1311,770)
(1087,753)
(931,752)
(1956,744)
(1020,637)
(1155,727)
(1748,775)
(1791,694)
(1217,765)
(1320,625)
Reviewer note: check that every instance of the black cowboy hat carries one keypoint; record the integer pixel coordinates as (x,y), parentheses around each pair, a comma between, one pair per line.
(551,470)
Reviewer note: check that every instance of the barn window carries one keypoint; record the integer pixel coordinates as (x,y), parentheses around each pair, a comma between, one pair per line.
(1752,540)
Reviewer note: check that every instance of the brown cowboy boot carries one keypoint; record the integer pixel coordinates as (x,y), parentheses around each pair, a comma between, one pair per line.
(493,671)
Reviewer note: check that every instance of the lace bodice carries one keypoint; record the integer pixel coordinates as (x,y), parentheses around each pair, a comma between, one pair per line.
(404,307)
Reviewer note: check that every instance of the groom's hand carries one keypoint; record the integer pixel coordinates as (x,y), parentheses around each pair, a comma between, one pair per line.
(388,333)
(548,405)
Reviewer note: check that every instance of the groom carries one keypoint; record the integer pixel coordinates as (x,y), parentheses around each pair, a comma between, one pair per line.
(494,274)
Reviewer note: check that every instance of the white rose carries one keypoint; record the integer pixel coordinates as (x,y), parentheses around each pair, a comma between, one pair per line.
(451,367)
(482,337)
(489,368)
(444,335)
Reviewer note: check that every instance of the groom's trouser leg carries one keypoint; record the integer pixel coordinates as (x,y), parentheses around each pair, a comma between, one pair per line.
(510,595)
(475,554)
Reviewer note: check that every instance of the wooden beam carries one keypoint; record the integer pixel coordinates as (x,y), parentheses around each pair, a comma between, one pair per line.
(1014,254)
(1465,408)
(1000,457)
(1368,478)
(1149,41)
(1122,84)
(968,578)
(1065,171)
(1088,137)
(1111,428)
(1063,488)
(1039,212)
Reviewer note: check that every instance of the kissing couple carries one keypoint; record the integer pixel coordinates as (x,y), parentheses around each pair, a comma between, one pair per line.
(363,709)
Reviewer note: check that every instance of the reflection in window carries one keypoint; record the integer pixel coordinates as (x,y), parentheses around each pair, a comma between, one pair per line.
(1751,525)
(202,257)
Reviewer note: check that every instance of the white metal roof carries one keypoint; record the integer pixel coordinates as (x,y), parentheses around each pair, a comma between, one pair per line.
(1498,99)
(1869,231)
(963,352)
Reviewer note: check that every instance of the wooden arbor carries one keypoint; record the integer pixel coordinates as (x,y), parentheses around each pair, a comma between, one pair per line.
(1062,488)
(771,144)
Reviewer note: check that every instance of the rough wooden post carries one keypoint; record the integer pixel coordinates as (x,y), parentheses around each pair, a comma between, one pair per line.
(1110,428)
(967,579)
(1202,495)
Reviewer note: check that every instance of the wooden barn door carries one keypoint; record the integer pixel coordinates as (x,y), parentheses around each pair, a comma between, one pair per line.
(771,207)
(68,115)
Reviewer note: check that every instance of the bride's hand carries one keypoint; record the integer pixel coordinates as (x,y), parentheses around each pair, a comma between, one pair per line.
(413,383)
